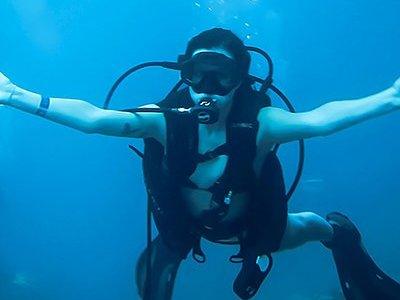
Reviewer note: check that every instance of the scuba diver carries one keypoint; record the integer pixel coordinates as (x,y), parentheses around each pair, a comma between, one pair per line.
(211,169)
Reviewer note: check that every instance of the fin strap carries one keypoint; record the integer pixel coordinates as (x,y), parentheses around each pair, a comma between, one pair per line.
(197,253)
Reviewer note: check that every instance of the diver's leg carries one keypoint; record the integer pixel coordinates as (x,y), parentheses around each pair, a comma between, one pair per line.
(305,227)
(360,277)
(165,264)
(300,228)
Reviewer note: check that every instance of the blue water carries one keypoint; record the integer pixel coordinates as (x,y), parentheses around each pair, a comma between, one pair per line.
(72,206)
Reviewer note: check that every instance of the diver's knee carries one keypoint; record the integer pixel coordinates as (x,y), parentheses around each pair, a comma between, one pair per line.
(315,226)
(309,218)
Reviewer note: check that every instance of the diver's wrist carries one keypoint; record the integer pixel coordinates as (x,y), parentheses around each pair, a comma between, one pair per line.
(13,91)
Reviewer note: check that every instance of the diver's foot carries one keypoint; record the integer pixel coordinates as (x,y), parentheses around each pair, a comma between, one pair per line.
(344,231)
(360,277)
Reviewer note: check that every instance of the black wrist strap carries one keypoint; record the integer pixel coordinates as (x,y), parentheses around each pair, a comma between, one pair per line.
(44,106)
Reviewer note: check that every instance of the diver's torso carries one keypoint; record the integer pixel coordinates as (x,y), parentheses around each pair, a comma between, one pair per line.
(207,173)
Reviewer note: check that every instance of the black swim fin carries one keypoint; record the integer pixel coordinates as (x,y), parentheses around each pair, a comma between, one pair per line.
(251,276)
(360,277)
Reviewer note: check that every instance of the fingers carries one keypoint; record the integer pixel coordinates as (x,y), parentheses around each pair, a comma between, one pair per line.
(397,84)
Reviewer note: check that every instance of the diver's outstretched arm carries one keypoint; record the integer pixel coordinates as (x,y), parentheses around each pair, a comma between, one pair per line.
(79,114)
(280,126)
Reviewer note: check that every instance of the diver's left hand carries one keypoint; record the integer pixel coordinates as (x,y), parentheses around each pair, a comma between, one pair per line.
(396,85)
(396,88)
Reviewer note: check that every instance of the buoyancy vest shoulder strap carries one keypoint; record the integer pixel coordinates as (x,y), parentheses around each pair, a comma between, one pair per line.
(182,136)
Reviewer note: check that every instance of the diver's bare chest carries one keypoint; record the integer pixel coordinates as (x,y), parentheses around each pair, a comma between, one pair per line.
(207,173)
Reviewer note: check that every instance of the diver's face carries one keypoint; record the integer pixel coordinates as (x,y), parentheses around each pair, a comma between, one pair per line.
(221,101)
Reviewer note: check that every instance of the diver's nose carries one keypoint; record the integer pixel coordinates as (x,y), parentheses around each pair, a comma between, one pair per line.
(208,85)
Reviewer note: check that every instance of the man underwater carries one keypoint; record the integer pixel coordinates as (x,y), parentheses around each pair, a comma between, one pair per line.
(220,181)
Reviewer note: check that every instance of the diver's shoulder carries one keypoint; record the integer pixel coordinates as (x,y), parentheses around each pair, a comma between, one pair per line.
(269,113)
(149,105)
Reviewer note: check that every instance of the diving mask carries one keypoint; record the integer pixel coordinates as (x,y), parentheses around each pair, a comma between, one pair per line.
(211,73)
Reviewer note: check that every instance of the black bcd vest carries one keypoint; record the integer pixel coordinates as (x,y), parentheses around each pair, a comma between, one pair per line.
(165,170)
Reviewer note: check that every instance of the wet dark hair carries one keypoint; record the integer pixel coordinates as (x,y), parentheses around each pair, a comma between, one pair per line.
(223,38)
(226,39)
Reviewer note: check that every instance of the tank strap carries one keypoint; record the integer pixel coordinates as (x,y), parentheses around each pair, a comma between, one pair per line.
(137,151)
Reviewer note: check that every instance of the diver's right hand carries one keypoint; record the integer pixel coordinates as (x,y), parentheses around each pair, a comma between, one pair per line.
(6,89)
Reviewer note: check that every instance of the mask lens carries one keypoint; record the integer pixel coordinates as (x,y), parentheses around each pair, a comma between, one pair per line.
(196,77)
(211,71)
(226,80)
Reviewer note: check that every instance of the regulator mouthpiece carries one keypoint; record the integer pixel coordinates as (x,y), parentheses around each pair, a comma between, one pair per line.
(206,111)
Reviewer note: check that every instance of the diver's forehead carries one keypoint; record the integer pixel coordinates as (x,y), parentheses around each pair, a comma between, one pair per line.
(214,50)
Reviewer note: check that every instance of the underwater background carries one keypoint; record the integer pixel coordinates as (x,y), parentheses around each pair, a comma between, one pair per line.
(73,206)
